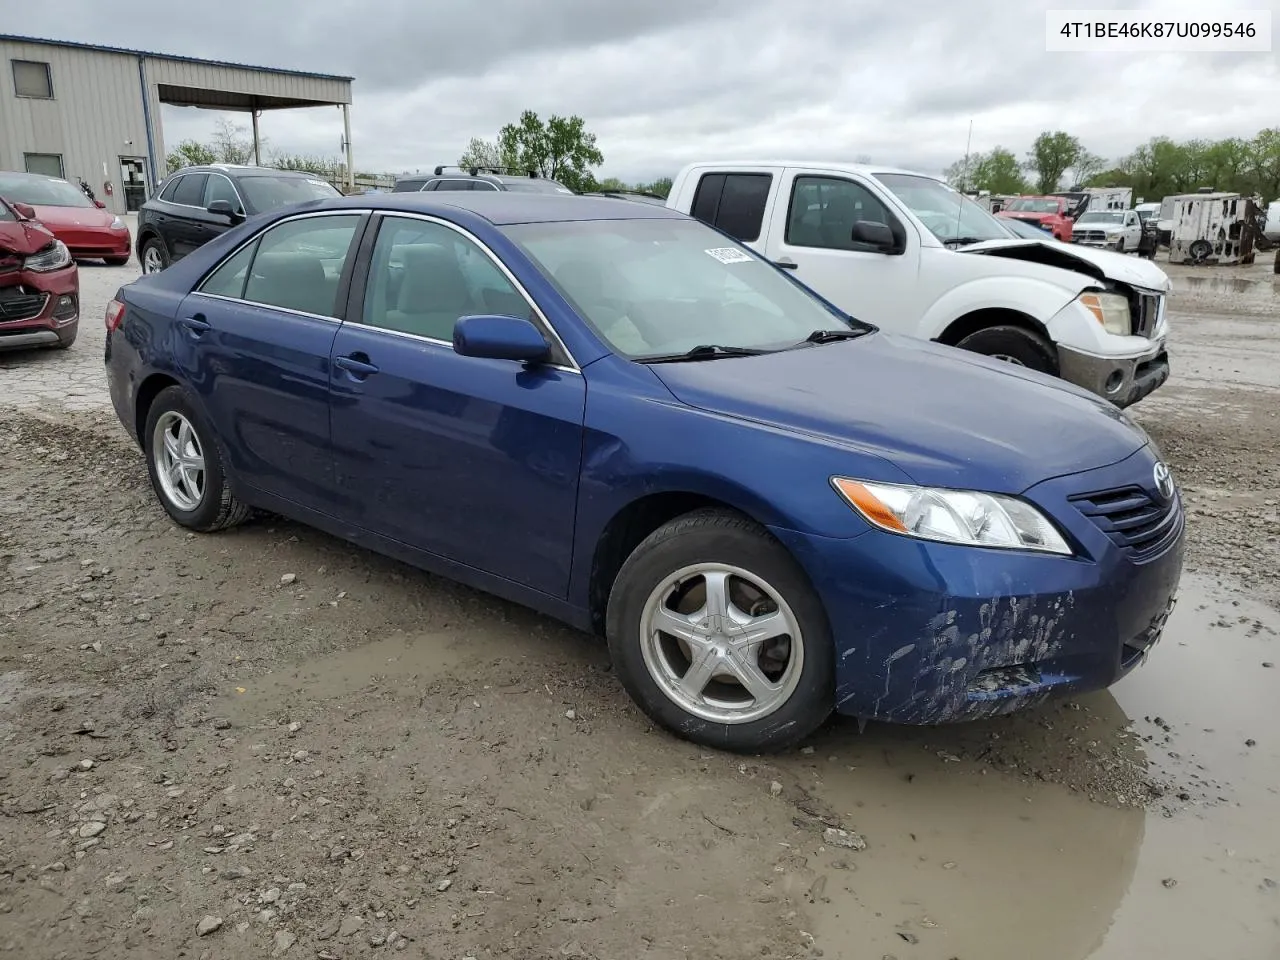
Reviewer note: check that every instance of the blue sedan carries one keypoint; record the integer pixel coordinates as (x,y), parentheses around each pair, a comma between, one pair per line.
(618,416)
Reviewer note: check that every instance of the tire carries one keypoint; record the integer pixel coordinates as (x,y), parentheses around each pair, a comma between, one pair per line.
(798,666)
(154,252)
(199,499)
(115,261)
(1015,345)
(1120,245)
(1200,250)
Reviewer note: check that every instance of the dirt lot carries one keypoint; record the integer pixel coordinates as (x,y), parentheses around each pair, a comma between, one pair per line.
(268,743)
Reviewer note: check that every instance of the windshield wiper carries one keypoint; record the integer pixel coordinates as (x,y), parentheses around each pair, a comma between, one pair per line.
(705,351)
(961,241)
(831,336)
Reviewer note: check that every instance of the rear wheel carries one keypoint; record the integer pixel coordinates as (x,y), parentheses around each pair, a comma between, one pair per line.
(717,635)
(1013,345)
(185,463)
(154,256)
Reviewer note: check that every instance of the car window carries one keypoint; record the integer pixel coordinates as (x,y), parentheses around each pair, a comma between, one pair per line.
(453,185)
(228,279)
(265,192)
(733,202)
(824,209)
(299,264)
(659,287)
(41,191)
(220,188)
(947,213)
(190,190)
(534,185)
(424,276)
(170,189)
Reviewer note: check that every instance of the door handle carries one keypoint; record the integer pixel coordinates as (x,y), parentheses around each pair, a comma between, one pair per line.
(786,264)
(356,364)
(197,324)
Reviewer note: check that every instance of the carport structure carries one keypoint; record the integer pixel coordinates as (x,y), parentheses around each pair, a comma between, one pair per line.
(85,110)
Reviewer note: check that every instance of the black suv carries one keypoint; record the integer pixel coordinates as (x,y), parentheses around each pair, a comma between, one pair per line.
(478,178)
(195,204)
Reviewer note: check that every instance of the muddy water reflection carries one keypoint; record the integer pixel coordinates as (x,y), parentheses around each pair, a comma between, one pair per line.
(980,857)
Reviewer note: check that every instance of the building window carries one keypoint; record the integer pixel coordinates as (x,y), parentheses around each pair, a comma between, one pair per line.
(47,164)
(31,78)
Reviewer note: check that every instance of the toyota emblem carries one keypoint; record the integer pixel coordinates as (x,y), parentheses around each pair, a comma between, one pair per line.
(1164,481)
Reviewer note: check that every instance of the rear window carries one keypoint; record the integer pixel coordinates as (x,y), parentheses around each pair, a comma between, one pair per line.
(733,202)
(535,185)
(190,190)
(407,186)
(264,193)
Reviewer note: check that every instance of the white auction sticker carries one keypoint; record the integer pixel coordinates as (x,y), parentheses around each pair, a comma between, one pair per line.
(729,255)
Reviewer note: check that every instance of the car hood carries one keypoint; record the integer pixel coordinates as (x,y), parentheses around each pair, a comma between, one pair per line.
(62,217)
(22,237)
(943,416)
(1101,264)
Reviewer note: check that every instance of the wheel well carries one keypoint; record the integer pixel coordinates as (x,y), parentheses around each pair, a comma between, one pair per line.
(623,534)
(146,394)
(971,323)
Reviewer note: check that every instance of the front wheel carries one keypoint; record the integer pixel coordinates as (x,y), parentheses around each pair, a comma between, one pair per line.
(115,261)
(1120,245)
(185,463)
(1013,345)
(717,635)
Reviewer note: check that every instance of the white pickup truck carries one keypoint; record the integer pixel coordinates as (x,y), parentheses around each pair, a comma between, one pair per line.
(907,252)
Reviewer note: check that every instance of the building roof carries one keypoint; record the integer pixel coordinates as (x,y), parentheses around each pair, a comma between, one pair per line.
(168,56)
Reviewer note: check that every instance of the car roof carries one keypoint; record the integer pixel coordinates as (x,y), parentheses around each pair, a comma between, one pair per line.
(502,207)
(840,166)
(245,169)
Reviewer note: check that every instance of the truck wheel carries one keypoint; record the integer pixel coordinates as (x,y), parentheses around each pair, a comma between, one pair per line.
(1013,345)
(1120,245)
(717,635)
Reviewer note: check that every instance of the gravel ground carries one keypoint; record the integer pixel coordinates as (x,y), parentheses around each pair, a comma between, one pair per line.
(269,743)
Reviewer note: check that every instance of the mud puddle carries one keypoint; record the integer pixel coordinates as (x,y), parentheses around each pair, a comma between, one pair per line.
(971,857)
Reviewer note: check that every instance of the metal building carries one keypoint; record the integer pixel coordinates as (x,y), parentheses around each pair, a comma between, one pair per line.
(81,110)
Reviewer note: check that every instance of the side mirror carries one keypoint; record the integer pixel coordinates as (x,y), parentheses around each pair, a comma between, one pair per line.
(24,210)
(99,204)
(223,208)
(872,234)
(500,338)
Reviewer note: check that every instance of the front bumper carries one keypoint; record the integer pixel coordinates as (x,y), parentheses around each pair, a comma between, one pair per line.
(46,315)
(1122,380)
(110,244)
(933,633)
(1110,244)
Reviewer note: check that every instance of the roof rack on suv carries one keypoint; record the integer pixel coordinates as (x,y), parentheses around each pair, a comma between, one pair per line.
(473,171)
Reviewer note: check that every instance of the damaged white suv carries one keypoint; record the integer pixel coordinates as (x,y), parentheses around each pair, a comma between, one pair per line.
(912,255)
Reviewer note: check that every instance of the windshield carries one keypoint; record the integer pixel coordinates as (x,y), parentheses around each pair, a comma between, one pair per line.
(1026,231)
(533,185)
(41,191)
(1033,205)
(949,214)
(264,193)
(654,288)
(1101,216)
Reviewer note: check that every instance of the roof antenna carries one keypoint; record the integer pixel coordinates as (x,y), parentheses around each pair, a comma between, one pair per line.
(960,204)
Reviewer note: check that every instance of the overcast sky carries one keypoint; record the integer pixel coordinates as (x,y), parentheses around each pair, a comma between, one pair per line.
(664,82)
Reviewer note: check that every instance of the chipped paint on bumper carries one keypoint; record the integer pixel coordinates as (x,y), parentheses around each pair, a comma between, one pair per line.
(934,633)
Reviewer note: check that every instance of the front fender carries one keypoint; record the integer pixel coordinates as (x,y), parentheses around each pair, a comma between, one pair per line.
(1031,296)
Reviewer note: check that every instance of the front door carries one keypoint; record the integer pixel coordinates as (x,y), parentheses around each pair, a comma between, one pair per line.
(474,460)
(811,233)
(254,342)
(134,180)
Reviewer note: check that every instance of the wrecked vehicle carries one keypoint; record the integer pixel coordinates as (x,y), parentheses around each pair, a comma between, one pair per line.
(633,423)
(909,253)
(39,283)
(1054,215)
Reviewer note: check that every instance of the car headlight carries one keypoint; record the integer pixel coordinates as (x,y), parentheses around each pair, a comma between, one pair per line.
(117,223)
(1109,309)
(53,257)
(953,516)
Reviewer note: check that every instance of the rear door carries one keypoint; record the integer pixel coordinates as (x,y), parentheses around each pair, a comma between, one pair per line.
(737,202)
(254,341)
(187,228)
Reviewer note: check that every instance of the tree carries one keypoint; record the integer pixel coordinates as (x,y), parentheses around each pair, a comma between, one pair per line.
(661,187)
(560,149)
(230,143)
(329,168)
(997,171)
(487,153)
(1052,155)
(190,153)
(1087,166)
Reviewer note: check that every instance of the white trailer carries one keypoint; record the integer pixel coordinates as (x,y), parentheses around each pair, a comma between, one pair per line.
(1211,228)
(1109,198)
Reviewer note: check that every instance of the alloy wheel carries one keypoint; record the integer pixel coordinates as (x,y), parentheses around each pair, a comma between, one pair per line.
(179,460)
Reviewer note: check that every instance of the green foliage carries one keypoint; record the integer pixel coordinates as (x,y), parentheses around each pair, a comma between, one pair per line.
(1160,167)
(329,168)
(487,153)
(190,153)
(559,149)
(997,171)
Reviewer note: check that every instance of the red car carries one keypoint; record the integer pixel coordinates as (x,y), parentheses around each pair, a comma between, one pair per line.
(39,284)
(90,231)
(1051,214)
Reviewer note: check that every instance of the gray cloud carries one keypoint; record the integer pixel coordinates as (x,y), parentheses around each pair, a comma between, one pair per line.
(664,82)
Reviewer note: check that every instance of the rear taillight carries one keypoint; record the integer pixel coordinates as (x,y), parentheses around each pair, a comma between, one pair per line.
(115,314)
